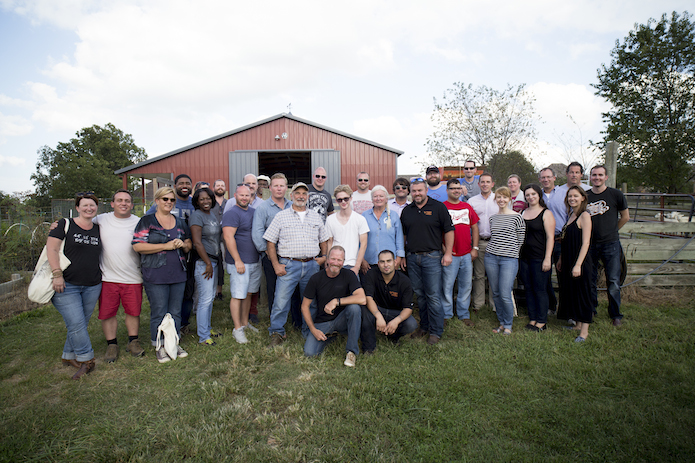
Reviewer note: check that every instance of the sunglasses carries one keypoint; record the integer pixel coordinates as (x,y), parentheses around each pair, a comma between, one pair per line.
(469,168)
(320,176)
(243,184)
(400,187)
(417,180)
(168,200)
(84,193)
(362,179)
(342,200)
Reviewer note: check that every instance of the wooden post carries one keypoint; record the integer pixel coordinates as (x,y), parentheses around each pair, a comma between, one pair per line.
(611,163)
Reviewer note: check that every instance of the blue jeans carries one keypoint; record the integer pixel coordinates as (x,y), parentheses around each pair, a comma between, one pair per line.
(610,254)
(298,273)
(76,304)
(348,321)
(462,268)
(501,272)
(270,280)
(535,282)
(163,299)
(425,272)
(368,335)
(206,295)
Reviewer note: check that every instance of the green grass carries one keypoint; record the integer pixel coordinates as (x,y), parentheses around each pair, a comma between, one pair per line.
(626,394)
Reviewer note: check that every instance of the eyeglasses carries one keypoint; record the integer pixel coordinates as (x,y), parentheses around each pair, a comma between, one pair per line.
(362,179)
(400,187)
(469,168)
(168,200)
(319,176)
(342,200)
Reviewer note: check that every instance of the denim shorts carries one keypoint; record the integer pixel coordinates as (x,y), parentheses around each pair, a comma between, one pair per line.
(248,282)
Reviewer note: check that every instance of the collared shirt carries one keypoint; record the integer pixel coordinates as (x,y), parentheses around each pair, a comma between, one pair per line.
(295,238)
(425,227)
(556,204)
(397,294)
(254,204)
(485,208)
(395,207)
(265,213)
(384,233)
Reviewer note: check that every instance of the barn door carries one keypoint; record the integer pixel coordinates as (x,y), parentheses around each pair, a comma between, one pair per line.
(241,162)
(329,160)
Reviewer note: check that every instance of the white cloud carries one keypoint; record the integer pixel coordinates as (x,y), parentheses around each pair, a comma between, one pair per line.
(13,126)
(11,160)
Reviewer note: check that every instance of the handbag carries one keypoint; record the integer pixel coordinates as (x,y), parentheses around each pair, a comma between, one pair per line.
(41,286)
(167,330)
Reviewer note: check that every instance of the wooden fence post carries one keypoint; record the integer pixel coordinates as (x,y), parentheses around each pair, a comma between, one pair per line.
(611,163)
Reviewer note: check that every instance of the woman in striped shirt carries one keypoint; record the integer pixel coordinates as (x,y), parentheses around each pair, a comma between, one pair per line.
(507,231)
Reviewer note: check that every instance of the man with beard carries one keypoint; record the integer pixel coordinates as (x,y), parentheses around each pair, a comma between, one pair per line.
(338,297)
(219,188)
(401,188)
(426,225)
(320,200)
(296,246)
(263,184)
(362,197)
(184,204)
(435,188)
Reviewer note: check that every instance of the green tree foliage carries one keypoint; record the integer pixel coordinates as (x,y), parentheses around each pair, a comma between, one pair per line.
(651,85)
(503,165)
(479,123)
(85,163)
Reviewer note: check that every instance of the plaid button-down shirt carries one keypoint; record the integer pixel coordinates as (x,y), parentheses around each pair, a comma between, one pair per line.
(296,239)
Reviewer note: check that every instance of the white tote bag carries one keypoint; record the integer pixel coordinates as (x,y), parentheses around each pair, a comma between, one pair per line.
(41,286)
(167,330)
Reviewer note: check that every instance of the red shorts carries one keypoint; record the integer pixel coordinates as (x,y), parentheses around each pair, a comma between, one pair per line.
(114,294)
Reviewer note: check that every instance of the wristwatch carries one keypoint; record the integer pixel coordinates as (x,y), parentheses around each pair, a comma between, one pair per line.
(476,248)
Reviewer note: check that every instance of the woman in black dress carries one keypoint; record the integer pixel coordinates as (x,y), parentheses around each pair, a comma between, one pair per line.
(574,266)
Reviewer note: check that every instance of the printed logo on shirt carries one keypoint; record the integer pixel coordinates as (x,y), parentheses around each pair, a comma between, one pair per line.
(427,212)
(597,208)
(461,217)
(86,239)
(393,294)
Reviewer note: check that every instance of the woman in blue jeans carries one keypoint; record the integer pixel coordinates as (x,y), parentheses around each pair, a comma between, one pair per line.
(507,230)
(536,257)
(206,232)
(77,288)
(162,239)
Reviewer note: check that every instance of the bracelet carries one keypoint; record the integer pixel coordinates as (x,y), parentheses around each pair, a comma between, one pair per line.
(57,273)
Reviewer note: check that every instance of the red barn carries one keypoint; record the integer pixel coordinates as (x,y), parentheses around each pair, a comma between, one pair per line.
(282,143)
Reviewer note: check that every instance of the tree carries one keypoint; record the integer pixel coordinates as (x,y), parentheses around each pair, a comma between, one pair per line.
(651,85)
(85,163)
(479,123)
(503,165)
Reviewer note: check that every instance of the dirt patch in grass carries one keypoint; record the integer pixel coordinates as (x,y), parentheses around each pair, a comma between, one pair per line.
(16,302)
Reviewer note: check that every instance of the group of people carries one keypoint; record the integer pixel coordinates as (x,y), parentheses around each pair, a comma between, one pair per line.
(350,269)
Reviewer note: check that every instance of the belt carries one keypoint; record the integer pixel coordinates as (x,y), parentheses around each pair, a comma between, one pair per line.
(423,253)
(306,259)
(485,239)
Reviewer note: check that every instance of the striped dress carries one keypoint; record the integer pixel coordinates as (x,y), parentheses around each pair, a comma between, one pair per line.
(507,232)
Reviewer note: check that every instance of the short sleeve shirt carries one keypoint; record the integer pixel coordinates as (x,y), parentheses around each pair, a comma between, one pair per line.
(320,202)
(424,228)
(603,209)
(211,230)
(83,248)
(462,216)
(242,220)
(322,289)
(397,294)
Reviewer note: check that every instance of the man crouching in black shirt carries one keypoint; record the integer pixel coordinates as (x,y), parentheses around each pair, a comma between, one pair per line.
(338,296)
(389,303)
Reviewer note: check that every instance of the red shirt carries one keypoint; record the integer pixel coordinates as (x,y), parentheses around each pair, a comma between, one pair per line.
(463,216)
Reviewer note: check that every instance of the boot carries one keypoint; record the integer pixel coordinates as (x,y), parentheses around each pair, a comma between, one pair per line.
(85,368)
(70,363)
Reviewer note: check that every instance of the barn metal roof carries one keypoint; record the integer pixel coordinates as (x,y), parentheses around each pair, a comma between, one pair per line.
(250,126)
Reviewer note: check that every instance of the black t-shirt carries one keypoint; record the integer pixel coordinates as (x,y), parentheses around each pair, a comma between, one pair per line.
(323,289)
(320,202)
(603,209)
(396,295)
(83,248)
(424,228)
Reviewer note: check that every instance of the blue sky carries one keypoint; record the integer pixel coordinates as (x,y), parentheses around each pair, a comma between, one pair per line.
(175,72)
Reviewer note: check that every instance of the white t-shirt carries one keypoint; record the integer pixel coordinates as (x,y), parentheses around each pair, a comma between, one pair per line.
(348,235)
(119,262)
(361,202)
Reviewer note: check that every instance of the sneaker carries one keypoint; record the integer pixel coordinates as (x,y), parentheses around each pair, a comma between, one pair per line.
(350,359)
(215,334)
(219,297)
(185,329)
(162,356)
(276,339)
(240,336)
(111,353)
(135,348)
(250,327)
(208,342)
(253,318)
(180,352)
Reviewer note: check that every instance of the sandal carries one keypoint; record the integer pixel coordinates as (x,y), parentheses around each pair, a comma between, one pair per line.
(498,330)
(507,332)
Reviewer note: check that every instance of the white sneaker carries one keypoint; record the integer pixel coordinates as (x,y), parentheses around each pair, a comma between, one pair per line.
(350,359)
(240,336)
(162,356)
(180,352)
(250,327)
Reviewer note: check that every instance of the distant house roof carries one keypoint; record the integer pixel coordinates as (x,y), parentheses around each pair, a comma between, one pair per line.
(250,126)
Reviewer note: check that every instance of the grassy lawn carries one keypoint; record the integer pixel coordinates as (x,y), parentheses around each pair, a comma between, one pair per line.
(626,394)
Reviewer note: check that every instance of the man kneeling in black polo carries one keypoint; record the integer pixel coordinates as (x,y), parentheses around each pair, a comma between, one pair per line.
(389,303)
